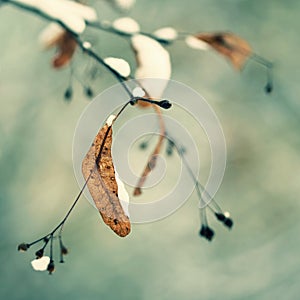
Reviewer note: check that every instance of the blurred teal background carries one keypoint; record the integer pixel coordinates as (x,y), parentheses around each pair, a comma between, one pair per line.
(259,259)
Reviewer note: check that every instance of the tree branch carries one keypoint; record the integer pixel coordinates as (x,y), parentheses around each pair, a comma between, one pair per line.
(76,37)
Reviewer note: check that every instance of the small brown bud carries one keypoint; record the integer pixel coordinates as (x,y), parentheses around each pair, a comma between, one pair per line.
(39,253)
(228,223)
(206,232)
(89,92)
(51,267)
(68,94)
(23,247)
(64,250)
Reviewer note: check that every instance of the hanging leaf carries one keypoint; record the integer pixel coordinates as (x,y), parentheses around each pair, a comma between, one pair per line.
(66,47)
(153,157)
(149,167)
(98,170)
(56,36)
(229,45)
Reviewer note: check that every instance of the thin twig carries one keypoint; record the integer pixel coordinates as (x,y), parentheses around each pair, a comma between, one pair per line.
(62,222)
(76,37)
(107,27)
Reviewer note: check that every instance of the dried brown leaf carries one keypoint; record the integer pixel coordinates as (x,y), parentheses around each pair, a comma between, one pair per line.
(153,157)
(144,104)
(66,47)
(236,49)
(99,173)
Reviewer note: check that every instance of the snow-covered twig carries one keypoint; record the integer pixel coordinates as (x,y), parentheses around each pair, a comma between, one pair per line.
(33,7)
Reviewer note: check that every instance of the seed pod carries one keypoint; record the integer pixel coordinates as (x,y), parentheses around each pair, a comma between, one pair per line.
(39,253)
(51,267)
(23,247)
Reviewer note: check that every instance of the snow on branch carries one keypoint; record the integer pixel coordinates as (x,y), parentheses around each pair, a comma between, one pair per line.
(72,14)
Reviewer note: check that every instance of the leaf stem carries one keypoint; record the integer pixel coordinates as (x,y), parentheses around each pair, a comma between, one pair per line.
(200,189)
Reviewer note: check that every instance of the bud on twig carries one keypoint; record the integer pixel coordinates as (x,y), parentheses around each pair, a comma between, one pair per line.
(164,104)
(206,232)
(64,250)
(68,94)
(51,267)
(39,253)
(23,247)
(269,88)
(88,92)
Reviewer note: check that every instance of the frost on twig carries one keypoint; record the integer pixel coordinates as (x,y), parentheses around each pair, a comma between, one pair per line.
(166,33)
(126,25)
(40,264)
(72,14)
(195,43)
(153,61)
(152,58)
(118,64)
